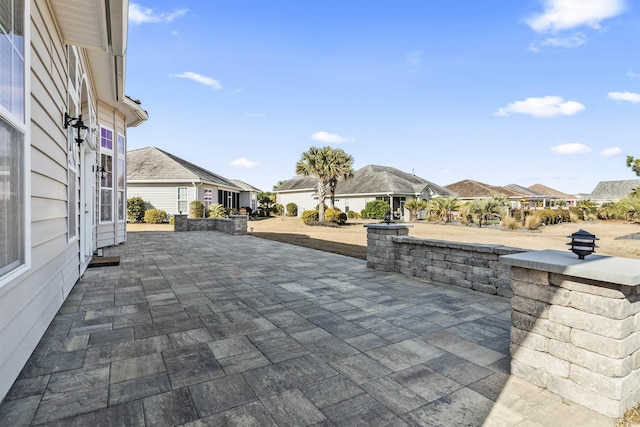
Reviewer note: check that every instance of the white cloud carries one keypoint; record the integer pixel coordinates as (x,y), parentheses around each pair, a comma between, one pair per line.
(632,75)
(571,148)
(624,96)
(546,106)
(244,163)
(141,15)
(329,138)
(610,152)
(561,15)
(207,81)
(567,42)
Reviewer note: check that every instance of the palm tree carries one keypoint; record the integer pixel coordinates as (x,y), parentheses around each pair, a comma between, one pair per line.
(482,208)
(608,210)
(586,206)
(443,206)
(316,162)
(339,167)
(414,206)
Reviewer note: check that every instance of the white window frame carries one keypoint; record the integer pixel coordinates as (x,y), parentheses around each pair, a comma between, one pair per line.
(73,150)
(108,174)
(185,200)
(20,124)
(121,172)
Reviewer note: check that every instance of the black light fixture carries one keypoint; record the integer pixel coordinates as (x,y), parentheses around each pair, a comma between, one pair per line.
(582,243)
(78,124)
(101,171)
(388,218)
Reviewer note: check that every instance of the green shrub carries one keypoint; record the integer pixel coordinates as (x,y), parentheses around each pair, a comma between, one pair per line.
(377,209)
(334,215)
(309,216)
(363,214)
(155,216)
(196,209)
(292,209)
(278,209)
(351,214)
(217,211)
(136,207)
(172,220)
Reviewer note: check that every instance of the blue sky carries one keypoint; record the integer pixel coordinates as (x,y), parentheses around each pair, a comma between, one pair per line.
(498,91)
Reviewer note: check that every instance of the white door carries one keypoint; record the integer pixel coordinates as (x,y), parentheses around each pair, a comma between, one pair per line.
(87,194)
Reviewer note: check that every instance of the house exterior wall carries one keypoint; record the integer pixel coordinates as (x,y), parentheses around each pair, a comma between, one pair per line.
(29,302)
(303,199)
(60,187)
(165,196)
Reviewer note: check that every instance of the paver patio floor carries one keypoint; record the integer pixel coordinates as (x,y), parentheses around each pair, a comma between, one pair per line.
(208,329)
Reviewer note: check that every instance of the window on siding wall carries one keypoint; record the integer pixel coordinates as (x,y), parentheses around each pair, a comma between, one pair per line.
(121,178)
(12,136)
(73,150)
(182,199)
(106,183)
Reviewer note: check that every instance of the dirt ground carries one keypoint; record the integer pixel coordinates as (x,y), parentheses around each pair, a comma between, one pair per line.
(352,239)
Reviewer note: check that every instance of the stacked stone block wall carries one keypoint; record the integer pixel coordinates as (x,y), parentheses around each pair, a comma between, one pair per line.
(578,338)
(473,266)
(235,224)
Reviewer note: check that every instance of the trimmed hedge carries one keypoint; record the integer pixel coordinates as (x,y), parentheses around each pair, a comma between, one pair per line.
(155,216)
(309,216)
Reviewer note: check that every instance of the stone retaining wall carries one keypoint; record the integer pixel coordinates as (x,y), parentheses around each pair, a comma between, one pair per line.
(468,265)
(574,335)
(235,224)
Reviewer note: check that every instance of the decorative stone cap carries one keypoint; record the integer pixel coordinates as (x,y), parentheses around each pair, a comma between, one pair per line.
(622,271)
(388,226)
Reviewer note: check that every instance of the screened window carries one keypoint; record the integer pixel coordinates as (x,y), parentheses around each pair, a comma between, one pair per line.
(12,129)
(182,199)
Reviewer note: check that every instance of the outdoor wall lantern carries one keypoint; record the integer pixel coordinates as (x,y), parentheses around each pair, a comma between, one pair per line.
(582,243)
(101,171)
(78,124)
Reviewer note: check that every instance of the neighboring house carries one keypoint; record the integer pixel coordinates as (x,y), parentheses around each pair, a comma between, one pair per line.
(613,191)
(368,183)
(535,196)
(170,183)
(249,195)
(63,124)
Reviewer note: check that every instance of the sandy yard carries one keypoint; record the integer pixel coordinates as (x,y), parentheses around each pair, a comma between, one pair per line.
(354,235)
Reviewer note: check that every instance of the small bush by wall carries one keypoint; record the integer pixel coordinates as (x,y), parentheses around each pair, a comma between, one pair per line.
(309,216)
(334,215)
(292,209)
(196,209)
(155,216)
(217,211)
(376,209)
(136,207)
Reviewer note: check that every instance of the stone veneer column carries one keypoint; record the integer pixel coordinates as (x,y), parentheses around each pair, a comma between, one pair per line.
(575,327)
(381,253)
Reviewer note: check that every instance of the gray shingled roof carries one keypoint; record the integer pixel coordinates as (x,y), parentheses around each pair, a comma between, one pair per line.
(154,164)
(244,185)
(372,179)
(473,189)
(614,190)
(522,191)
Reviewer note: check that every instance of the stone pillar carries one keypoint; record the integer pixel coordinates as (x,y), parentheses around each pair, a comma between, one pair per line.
(381,253)
(238,225)
(575,327)
(180,223)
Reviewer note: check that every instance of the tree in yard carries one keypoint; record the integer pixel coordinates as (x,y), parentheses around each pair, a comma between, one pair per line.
(443,206)
(265,203)
(586,206)
(634,164)
(324,164)
(136,207)
(483,208)
(340,166)
(414,206)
